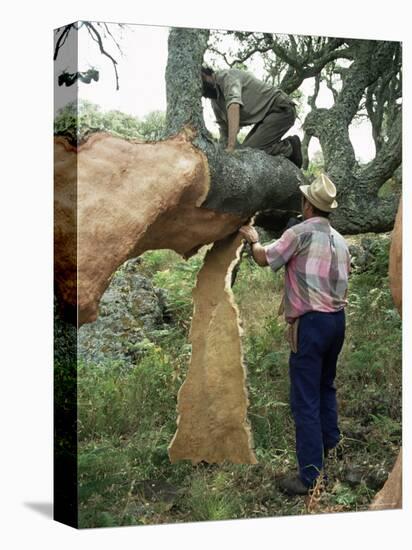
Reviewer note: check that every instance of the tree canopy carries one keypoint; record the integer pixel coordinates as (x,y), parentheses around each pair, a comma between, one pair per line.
(78,119)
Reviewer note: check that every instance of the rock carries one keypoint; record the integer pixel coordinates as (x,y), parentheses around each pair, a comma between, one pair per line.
(376,478)
(373,475)
(358,257)
(354,474)
(130,310)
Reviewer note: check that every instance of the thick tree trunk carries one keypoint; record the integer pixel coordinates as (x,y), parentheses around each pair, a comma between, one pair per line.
(186,48)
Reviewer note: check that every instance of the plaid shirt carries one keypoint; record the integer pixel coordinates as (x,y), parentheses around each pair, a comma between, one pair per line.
(317,264)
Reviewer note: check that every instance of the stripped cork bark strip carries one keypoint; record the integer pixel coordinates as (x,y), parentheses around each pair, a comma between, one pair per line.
(212,423)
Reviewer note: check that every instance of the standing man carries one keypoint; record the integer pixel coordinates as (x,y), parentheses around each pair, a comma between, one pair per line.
(239,99)
(317,263)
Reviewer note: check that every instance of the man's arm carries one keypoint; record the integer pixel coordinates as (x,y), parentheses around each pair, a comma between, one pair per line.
(276,254)
(233,118)
(231,86)
(252,237)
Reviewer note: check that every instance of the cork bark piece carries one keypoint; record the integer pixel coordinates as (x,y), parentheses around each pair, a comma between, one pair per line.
(212,423)
(115,199)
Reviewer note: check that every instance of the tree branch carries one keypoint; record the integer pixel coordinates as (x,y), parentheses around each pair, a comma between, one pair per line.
(222,55)
(294,79)
(372,59)
(62,39)
(364,212)
(303,60)
(112,37)
(287,57)
(305,151)
(252,52)
(313,97)
(387,159)
(97,38)
(375,116)
(329,81)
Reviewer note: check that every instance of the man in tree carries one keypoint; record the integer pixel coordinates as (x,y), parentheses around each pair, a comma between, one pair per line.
(239,99)
(317,263)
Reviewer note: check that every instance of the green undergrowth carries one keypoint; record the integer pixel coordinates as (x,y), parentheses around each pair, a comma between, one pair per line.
(127,415)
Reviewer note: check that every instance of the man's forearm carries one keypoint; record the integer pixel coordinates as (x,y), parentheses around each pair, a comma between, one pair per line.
(233,117)
(259,254)
(249,233)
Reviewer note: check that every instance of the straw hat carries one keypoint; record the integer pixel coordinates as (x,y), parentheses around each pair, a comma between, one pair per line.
(321,193)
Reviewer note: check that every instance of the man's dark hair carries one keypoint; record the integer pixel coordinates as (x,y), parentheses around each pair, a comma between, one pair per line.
(207,71)
(209,88)
(320,213)
(316,211)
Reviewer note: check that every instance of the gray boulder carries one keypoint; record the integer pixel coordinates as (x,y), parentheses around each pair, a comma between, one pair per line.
(131,311)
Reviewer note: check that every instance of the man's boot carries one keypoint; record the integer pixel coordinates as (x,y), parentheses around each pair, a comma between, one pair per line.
(292,486)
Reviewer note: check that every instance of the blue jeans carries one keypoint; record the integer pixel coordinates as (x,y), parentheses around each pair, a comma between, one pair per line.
(312,373)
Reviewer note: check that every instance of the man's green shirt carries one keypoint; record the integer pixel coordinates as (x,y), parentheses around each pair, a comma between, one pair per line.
(255,98)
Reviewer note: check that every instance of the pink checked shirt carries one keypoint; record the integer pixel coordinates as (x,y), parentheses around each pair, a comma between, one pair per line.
(317,264)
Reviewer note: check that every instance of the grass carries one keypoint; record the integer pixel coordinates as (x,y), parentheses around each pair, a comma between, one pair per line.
(127,416)
(212,498)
